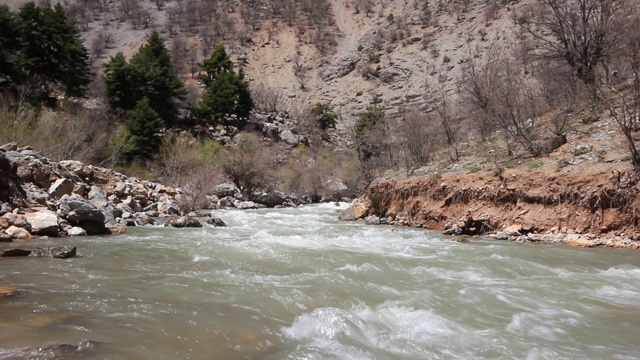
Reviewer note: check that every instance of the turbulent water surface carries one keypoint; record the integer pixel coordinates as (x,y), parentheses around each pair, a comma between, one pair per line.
(297,284)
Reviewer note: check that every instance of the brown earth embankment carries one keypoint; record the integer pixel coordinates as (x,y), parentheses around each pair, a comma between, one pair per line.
(595,207)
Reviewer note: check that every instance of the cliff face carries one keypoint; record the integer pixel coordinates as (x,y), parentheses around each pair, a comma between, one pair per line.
(602,201)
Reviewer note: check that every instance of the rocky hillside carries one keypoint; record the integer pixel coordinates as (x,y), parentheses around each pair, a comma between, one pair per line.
(397,54)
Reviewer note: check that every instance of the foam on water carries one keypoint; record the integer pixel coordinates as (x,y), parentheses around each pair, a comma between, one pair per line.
(298,284)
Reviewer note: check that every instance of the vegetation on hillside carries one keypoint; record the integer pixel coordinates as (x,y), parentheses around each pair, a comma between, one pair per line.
(519,99)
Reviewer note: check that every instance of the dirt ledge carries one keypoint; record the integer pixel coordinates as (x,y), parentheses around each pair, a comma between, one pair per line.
(596,207)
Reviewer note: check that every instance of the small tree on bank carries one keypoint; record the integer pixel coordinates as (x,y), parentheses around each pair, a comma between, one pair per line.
(226,92)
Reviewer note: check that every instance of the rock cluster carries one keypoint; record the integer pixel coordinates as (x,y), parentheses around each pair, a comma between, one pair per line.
(40,197)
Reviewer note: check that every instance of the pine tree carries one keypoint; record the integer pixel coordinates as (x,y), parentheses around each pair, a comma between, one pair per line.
(41,50)
(325,116)
(143,126)
(226,92)
(149,74)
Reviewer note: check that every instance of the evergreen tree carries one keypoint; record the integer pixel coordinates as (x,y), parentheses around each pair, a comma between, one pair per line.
(149,74)
(8,46)
(226,92)
(325,116)
(42,49)
(143,125)
(119,83)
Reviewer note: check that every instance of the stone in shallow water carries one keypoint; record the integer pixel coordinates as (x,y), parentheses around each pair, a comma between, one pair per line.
(182,221)
(7,291)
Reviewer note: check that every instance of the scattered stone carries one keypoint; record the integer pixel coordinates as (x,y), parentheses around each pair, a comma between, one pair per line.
(182,222)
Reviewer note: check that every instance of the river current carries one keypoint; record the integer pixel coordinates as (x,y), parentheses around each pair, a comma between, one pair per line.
(298,284)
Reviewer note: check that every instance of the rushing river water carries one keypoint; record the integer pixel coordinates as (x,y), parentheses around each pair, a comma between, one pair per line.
(298,284)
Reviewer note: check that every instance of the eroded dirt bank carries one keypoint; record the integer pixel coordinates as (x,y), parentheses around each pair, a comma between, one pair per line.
(598,206)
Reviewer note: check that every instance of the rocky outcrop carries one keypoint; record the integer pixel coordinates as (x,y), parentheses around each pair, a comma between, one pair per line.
(40,197)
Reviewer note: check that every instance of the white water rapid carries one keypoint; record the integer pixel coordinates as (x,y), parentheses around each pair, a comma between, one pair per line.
(298,284)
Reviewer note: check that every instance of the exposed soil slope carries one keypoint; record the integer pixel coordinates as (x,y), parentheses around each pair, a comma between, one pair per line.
(586,193)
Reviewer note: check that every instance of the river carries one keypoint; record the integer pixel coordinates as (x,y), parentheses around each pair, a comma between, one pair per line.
(298,284)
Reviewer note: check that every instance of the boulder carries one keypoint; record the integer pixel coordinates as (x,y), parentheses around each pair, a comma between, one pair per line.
(271,199)
(226,189)
(118,229)
(61,187)
(289,138)
(353,212)
(44,222)
(74,166)
(77,209)
(182,222)
(372,220)
(143,219)
(58,252)
(4,223)
(513,230)
(226,202)
(16,219)
(76,231)
(12,146)
(217,222)
(18,233)
(15,253)
(4,237)
(246,205)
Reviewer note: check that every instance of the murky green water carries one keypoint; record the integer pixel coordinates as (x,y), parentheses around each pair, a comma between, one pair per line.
(297,284)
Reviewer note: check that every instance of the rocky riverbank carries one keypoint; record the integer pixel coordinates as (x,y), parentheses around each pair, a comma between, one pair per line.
(47,198)
(597,207)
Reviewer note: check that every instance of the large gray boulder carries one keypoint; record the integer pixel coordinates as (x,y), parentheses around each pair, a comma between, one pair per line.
(271,199)
(78,209)
(44,222)
(226,189)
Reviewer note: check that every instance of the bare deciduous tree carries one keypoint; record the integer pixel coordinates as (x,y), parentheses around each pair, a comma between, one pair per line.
(581,33)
